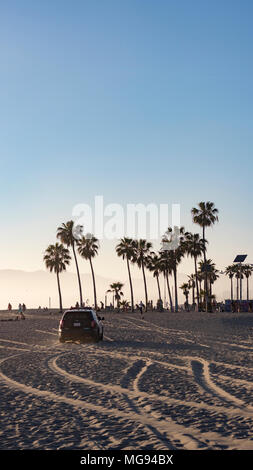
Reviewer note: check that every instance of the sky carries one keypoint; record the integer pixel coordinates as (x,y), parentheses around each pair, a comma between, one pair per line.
(139,101)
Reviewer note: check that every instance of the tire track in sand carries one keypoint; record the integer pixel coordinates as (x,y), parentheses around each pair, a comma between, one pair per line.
(189,438)
(200,369)
(91,407)
(175,435)
(153,427)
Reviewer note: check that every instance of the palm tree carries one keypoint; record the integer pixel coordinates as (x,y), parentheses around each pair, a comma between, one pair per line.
(195,246)
(88,249)
(201,278)
(125,249)
(66,234)
(205,215)
(238,271)
(202,294)
(140,257)
(192,285)
(230,272)
(116,288)
(175,255)
(247,271)
(209,270)
(185,289)
(213,276)
(57,258)
(166,268)
(154,265)
(238,275)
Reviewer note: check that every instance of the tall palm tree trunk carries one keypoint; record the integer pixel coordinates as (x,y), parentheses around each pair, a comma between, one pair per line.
(175,282)
(247,289)
(78,276)
(206,287)
(197,282)
(232,293)
(169,291)
(193,293)
(131,285)
(59,291)
(200,293)
(94,284)
(158,286)
(145,287)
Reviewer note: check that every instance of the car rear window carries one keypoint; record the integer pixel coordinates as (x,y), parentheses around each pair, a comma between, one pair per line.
(83,317)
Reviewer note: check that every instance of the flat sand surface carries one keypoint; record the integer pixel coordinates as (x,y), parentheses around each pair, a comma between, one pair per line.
(168,381)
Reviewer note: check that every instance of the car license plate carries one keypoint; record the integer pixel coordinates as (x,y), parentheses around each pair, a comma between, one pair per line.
(77,324)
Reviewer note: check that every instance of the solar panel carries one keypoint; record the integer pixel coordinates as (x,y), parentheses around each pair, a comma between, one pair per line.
(240,258)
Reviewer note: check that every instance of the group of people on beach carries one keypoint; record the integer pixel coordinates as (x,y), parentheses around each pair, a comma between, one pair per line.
(21,310)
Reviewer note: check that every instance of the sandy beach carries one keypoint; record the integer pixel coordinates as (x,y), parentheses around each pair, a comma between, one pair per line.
(169,381)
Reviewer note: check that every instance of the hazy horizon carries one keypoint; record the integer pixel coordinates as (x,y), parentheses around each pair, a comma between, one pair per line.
(35,287)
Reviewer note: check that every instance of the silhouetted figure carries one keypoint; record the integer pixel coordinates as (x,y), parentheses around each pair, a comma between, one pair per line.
(141,306)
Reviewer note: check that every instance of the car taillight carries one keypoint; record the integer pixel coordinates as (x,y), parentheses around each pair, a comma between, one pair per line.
(61,323)
(93,324)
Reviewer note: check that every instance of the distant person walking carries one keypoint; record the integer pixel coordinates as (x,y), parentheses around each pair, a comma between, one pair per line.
(141,306)
(9,307)
(20,311)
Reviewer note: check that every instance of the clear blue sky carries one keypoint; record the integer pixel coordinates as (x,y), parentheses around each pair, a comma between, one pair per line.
(137,100)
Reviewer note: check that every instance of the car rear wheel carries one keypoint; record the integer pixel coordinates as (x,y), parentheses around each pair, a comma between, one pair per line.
(97,338)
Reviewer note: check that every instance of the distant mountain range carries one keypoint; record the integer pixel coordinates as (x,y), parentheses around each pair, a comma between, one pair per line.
(38,288)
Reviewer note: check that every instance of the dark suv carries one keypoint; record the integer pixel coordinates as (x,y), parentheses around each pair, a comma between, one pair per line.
(80,324)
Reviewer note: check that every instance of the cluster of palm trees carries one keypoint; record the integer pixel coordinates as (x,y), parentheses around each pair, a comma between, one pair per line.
(239,272)
(166,261)
(212,276)
(140,252)
(116,289)
(57,257)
